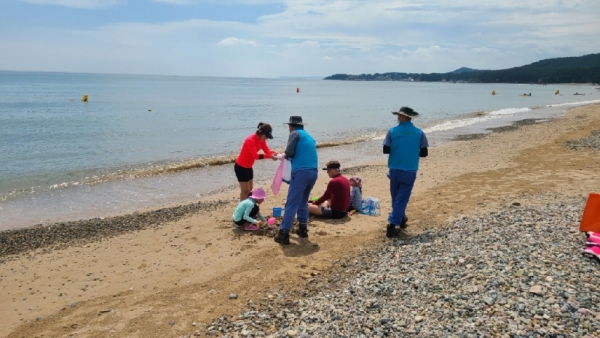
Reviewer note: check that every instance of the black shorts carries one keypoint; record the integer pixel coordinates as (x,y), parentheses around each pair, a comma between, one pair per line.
(243,174)
(330,213)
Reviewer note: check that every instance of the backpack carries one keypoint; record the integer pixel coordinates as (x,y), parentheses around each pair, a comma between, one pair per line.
(370,206)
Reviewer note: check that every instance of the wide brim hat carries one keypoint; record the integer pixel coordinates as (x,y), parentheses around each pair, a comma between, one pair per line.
(296,121)
(406,111)
(258,194)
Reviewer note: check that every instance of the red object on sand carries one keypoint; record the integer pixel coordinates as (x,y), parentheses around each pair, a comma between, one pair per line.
(590,221)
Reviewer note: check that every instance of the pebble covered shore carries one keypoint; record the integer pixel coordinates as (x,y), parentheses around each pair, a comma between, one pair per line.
(63,234)
(517,272)
(591,142)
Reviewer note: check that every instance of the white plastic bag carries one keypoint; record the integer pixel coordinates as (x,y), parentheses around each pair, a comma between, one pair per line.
(287,171)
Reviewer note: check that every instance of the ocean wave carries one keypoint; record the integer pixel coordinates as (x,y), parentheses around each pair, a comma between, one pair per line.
(509,111)
(580,103)
(482,117)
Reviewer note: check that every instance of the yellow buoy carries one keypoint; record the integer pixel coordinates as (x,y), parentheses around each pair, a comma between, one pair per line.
(557,92)
(84,98)
(493,92)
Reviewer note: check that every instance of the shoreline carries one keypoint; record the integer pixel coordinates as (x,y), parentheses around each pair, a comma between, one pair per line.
(183,271)
(63,234)
(188,186)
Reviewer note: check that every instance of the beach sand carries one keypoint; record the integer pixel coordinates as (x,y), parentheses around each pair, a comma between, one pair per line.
(158,280)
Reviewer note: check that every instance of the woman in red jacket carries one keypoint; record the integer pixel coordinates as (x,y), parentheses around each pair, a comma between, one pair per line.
(249,154)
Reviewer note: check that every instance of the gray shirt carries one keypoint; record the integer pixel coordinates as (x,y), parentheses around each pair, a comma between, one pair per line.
(290,149)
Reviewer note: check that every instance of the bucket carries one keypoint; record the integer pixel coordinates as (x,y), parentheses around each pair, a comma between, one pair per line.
(277,211)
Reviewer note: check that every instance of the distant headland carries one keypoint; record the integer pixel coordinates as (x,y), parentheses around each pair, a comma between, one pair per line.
(581,69)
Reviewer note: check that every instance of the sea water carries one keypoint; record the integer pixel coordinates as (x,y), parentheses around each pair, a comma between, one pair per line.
(150,141)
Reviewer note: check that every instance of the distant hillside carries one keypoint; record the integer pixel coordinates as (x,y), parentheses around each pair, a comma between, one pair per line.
(464,70)
(582,69)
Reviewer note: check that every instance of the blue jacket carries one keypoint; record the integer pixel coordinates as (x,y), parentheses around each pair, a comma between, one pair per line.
(405,142)
(302,149)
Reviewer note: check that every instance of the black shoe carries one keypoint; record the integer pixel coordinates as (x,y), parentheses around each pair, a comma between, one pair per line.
(392,231)
(404,224)
(302,231)
(283,237)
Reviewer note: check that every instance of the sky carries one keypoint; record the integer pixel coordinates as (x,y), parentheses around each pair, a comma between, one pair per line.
(284,38)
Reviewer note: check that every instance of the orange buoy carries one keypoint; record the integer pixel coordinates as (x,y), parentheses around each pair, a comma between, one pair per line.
(297,90)
(590,221)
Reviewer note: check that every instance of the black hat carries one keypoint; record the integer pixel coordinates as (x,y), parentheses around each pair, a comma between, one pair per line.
(406,111)
(295,120)
(332,165)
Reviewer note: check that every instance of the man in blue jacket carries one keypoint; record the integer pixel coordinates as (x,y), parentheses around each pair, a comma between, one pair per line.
(405,144)
(302,150)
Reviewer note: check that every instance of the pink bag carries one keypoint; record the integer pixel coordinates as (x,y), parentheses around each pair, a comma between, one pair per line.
(276,185)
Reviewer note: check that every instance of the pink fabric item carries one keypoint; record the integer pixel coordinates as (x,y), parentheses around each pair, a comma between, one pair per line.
(276,185)
(593,239)
(592,251)
(251,227)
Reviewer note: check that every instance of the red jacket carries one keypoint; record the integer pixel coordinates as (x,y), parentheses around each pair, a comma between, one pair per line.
(249,152)
(338,192)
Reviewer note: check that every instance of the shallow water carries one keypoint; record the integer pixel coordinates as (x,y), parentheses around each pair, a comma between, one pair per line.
(147,141)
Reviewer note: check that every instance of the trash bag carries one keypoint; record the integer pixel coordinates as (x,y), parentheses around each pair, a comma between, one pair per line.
(287,171)
(276,185)
(370,206)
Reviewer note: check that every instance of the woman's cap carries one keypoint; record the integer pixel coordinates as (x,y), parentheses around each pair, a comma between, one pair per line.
(406,111)
(258,194)
(296,121)
(266,130)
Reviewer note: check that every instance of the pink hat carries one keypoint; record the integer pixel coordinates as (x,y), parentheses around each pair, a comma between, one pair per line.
(357,180)
(258,194)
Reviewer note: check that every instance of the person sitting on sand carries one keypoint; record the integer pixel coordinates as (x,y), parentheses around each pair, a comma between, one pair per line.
(247,213)
(249,153)
(355,194)
(335,201)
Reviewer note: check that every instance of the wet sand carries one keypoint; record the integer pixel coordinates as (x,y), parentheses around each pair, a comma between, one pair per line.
(155,273)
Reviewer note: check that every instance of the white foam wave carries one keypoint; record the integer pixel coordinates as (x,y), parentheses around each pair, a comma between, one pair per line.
(580,103)
(495,114)
(509,111)
(453,124)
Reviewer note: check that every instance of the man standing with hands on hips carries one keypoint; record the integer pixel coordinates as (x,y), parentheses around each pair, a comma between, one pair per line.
(405,144)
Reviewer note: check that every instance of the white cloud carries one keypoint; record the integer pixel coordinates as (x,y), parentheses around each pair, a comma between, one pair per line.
(304,44)
(235,41)
(88,4)
(299,35)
